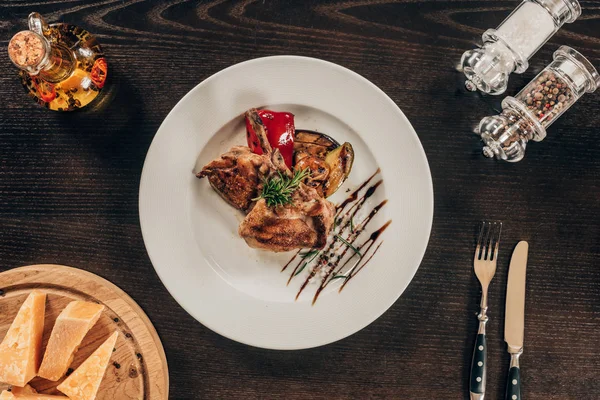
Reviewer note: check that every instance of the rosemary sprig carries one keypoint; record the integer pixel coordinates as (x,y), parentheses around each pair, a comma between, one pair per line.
(352,223)
(312,254)
(309,253)
(301,268)
(278,190)
(347,243)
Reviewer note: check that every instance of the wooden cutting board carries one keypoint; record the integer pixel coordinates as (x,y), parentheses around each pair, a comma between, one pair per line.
(138,367)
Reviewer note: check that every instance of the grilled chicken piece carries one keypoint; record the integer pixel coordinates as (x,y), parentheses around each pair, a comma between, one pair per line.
(238,174)
(305,223)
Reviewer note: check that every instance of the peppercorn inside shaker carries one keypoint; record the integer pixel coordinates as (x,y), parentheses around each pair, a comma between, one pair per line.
(508,48)
(526,116)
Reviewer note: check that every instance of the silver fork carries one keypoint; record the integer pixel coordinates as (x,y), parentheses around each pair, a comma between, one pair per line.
(484,263)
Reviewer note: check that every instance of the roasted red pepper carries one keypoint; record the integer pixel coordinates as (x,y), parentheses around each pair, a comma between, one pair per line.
(98,73)
(45,90)
(280,132)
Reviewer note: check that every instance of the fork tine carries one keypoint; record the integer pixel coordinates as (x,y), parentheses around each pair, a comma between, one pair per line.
(493,241)
(478,248)
(498,241)
(485,254)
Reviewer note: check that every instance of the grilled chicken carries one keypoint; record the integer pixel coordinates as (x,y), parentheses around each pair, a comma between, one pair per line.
(238,174)
(305,223)
(238,177)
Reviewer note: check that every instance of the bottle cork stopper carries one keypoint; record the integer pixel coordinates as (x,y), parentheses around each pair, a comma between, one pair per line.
(26,49)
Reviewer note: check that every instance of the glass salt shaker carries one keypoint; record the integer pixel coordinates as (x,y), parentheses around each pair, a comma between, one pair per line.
(509,47)
(62,65)
(526,116)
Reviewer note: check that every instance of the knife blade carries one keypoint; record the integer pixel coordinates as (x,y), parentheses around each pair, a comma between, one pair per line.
(514,322)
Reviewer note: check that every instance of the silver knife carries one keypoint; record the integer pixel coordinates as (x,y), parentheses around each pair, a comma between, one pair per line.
(514,322)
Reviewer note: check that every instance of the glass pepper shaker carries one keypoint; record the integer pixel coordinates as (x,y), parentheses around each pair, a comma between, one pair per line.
(526,116)
(508,48)
(62,66)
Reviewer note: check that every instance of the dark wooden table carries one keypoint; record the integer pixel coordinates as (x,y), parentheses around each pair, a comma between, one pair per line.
(69,192)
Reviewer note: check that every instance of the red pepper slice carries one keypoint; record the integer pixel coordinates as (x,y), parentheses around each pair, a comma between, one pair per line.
(280,132)
(45,90)
(98,73)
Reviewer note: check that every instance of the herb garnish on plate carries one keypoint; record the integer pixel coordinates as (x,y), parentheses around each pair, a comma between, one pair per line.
(278,190)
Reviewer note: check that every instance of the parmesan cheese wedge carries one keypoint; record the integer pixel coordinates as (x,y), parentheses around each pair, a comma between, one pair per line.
(70,328)
(20,351)
(6,395)
(22,390)
(27,393)
(84,382)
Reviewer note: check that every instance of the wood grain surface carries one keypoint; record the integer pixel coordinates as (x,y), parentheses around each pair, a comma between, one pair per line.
(69,191)
(138,367)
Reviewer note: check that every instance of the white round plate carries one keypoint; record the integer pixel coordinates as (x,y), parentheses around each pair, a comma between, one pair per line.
(191,233)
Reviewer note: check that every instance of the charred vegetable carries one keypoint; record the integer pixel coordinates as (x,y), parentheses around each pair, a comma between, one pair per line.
(314,143)
(339,162)
(328,162)
(319,170)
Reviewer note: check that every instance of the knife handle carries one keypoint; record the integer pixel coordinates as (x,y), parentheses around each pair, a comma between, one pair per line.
(478,367)
(513,384)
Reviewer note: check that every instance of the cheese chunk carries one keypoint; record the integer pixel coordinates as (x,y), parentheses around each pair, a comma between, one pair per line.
(20,351)
(22,390)
(70,328)
(6,395)
(27,393)
(84,382)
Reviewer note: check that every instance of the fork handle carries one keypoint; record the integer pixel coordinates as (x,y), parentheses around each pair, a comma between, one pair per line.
(478,366)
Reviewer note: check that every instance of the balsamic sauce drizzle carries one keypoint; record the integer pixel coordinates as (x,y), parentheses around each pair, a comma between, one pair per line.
(289,262)
(344,222)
